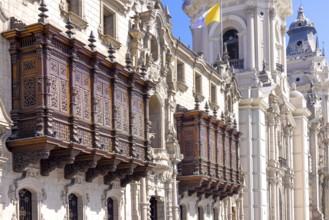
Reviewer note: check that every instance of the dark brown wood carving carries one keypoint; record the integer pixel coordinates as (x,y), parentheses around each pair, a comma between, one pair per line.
(211,162)
(75,109)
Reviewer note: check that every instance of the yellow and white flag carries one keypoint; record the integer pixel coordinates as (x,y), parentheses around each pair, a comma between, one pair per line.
(208,17)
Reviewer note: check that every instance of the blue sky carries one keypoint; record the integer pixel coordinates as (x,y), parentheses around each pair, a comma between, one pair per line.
(316,10)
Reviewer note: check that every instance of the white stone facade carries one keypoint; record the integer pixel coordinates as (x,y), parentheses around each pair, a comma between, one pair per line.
(143,28)
(283,137)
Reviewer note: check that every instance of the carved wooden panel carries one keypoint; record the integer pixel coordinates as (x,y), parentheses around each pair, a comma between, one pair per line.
(82,95)
(29,91)
(102,103)
(62,130)
(58,86)
(64,96)
(207,165)
(188,143)
(122,110)
(138,116)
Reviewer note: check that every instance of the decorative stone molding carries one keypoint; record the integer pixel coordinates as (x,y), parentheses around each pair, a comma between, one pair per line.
(182,87)
(76,20)
(29,180)
(107,39)
(122,5)
(3,15)
(31,1)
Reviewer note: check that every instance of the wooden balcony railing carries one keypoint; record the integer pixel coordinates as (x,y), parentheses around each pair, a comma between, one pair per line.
(211,155)
(75,109)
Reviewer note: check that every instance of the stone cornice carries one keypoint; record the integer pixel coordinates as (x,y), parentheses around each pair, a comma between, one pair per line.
(302,112)
(253,103)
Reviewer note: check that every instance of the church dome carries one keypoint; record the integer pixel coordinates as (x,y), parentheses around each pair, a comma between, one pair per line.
(296,94)
(301,20)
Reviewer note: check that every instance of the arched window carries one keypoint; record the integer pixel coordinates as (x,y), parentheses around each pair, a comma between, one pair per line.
(231,38)
(25,205)
(110,209)
(153,206)
(183,212)
(200,213)
(73,207)
(215,214)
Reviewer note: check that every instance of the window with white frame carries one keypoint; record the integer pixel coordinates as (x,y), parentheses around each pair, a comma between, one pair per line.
(213,94)
(198,84)
(180,72)
(109,22)
(75,6)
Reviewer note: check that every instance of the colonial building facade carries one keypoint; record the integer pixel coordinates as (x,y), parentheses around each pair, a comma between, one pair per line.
(104,114)
(308,72)
(284,143)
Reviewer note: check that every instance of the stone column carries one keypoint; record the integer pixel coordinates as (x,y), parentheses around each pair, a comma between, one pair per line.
(251,37)
(144,199)
(175,206)
(301,164)
(314,130)
(283,51)
(272,40)
(135,214)
(241,210)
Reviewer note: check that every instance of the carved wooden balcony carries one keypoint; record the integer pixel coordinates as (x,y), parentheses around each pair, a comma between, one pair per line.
(211,155)
(75,109)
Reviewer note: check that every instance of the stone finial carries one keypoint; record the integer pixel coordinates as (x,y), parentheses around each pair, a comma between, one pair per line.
(92,40)
(197,101)
(168,12)
(111,52)
(69,26)
(215,112)
(42,16)
(235,124)
(157,5)
(149,6)
(222,118)
(143,69)
(264,65)
(128,61)
(225,53)
(323,51)
(206,107)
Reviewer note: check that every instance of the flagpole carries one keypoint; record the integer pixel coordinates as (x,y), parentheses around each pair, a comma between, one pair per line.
(221,28)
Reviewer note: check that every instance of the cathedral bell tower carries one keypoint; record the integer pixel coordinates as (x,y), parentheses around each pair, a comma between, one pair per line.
(302,41)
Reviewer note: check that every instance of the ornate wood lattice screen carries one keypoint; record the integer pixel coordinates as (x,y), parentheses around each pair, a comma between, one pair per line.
(76,109)
(211,155)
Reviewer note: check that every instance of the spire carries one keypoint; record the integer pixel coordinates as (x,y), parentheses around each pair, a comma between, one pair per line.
(323,51)
(300,15)
(317,44)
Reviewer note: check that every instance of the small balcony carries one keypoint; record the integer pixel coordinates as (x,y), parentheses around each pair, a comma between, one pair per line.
(75,109)
(210,147)
(237,63)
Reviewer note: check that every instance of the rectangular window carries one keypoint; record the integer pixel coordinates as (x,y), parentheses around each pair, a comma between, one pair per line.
(108,22)
(198,84)
(213,94)
(180,72)
(75,7)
